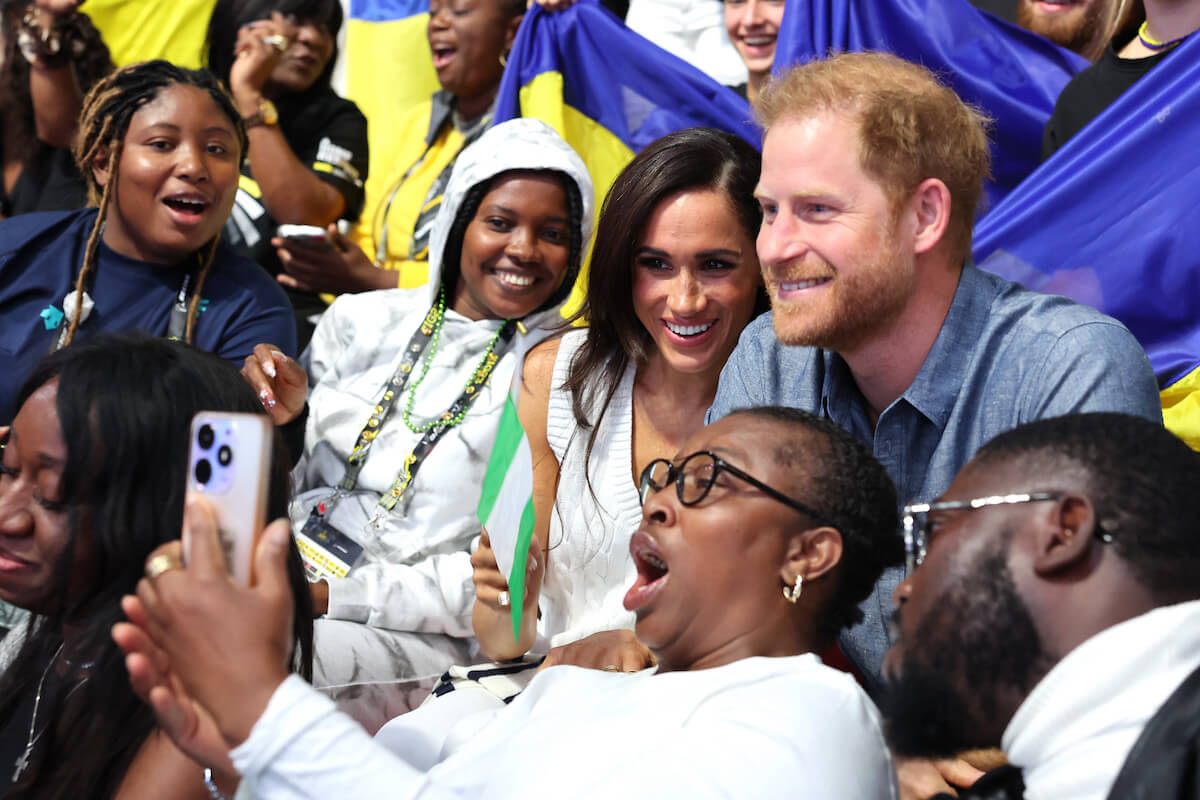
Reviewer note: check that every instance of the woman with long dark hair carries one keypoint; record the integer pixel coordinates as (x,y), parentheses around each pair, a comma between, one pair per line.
(93,479)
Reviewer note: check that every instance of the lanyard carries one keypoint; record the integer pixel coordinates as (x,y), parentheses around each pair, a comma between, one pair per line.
(383,410)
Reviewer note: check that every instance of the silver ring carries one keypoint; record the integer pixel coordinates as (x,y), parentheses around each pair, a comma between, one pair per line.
(276,40)
(502,600)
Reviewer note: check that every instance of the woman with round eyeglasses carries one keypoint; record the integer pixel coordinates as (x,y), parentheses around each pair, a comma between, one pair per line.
(674,279)
(735,593)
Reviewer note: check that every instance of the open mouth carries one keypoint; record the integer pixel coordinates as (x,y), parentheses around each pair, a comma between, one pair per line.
(689,331)
(187,207)
(800,285)
(442,55)
(10,563)
(652,572)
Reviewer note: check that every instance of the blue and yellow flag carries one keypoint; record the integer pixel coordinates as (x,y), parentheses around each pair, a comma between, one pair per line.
(388,67)
(170,29)
(1112,220)
(1014,76)
(608,91)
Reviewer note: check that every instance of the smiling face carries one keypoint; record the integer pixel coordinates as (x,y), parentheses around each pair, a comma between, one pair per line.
(309,51)
(966,649)
(837,266)
(176,180)
(696,279)
(1073,24)
(467,38)
(33,520)
(753,26)
(709,575)
(515,249)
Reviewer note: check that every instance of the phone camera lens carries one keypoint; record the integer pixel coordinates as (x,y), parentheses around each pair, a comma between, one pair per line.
(203,471)
(224,455)
(205,436)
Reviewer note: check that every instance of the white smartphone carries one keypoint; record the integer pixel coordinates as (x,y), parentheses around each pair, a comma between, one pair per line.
(229,465)
(309,235)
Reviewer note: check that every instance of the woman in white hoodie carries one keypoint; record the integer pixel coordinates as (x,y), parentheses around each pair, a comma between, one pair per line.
(385,519)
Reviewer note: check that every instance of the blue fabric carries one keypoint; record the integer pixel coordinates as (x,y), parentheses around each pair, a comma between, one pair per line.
(1005,356)
(386,10)
(1011,74)
(1112,218)
(636,90)
(40,256)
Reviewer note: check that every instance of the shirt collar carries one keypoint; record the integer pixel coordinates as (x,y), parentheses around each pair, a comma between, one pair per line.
(934,391)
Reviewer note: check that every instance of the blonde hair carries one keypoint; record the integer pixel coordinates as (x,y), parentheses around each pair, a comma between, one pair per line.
(911,127)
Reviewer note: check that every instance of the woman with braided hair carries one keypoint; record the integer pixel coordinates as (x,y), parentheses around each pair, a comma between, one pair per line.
(160,148)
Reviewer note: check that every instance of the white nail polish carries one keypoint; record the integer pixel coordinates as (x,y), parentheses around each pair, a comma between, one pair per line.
(269,368)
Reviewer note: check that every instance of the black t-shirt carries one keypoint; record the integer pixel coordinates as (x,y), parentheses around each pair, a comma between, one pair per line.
(48,181)
(1090,92)
(328,134)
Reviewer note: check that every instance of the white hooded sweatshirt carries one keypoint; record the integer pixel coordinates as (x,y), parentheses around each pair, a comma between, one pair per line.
(415,572)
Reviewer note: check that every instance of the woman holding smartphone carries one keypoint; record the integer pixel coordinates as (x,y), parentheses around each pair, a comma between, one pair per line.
(403,397)
(92,478)
(308,147)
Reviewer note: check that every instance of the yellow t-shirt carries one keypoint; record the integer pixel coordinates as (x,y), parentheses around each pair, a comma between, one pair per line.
(395,194)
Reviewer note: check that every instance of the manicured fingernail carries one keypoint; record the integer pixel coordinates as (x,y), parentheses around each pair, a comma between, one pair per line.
(269,368)
(276,354)
(533,562)
(267,400)
(279,536)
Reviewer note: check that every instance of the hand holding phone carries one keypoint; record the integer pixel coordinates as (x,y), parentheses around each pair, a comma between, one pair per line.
(229,464)
(307,235)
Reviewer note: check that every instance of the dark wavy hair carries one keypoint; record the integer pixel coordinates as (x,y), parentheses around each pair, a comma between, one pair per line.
(694,159)
(849,487)
(452,254)
(230,15)
(124,404)
(92,64)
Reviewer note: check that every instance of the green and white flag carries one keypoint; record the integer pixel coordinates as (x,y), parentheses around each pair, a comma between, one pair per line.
(506,506)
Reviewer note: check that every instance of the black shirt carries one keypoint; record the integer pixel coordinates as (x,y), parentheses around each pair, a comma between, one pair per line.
(1090,92)
(328,134)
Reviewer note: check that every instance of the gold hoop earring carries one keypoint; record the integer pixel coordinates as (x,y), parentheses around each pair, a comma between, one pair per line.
(503,60)
(792,593)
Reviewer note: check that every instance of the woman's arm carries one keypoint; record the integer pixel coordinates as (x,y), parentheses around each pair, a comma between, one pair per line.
(161,771)
(492,622)
(291,191)
(56,95)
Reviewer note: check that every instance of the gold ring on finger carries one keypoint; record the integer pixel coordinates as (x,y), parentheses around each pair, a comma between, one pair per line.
(161,563)
(276,40)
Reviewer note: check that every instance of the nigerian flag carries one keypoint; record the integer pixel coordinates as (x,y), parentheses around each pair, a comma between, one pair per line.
(506,506)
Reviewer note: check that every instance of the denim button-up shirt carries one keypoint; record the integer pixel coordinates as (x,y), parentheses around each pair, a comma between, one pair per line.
(1005,356)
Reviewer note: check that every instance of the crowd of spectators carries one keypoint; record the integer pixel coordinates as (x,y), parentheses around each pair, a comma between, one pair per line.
(811,503)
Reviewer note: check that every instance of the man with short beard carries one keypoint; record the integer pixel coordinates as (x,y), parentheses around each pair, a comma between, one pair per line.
(872,171)
(1122,64)
(1082,26)
(1056,611)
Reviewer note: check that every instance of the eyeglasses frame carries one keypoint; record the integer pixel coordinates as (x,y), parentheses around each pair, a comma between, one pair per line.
(676,475)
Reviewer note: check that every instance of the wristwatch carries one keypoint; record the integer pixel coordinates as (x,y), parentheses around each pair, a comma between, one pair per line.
(266,115)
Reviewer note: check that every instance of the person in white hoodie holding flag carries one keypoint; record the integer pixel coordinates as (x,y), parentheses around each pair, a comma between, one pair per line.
(405,389)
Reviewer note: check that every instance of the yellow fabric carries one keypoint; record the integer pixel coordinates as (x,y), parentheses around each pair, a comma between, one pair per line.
(389,71)
(387,169)
(1181,408)
(249,186)
(146,29)
(604,154)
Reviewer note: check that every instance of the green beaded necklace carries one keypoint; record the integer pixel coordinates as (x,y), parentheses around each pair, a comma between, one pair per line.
(482,368)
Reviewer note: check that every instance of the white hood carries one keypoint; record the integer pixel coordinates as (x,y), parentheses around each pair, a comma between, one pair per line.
(519,144)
